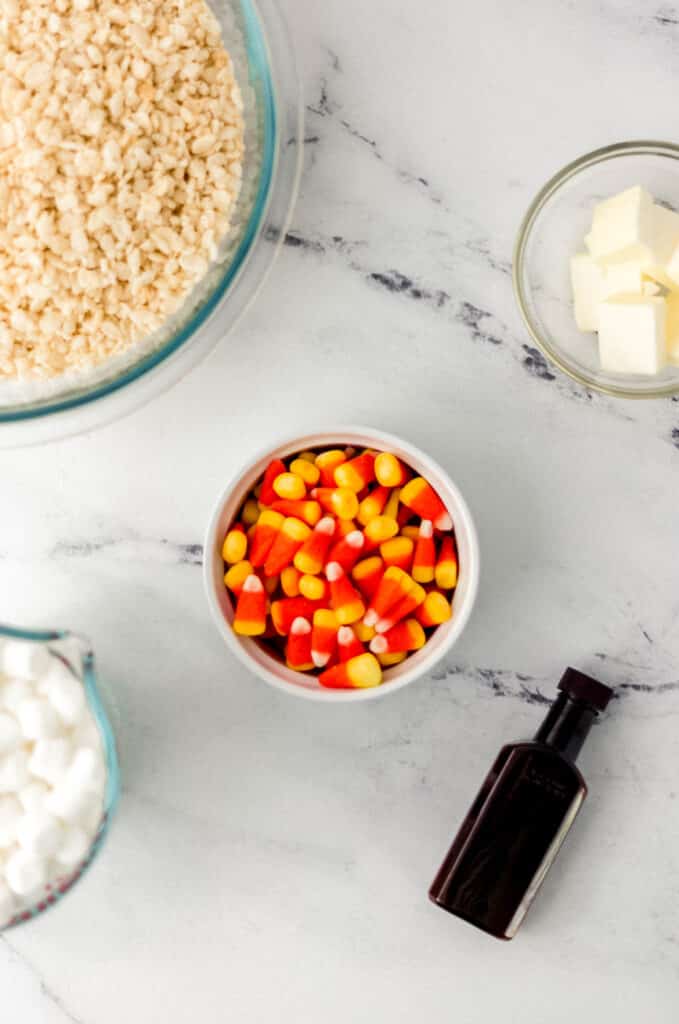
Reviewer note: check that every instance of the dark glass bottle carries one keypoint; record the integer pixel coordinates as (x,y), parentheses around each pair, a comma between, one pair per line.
(520,818)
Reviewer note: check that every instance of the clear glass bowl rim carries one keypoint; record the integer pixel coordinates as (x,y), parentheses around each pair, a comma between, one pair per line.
(258,49)
(113,783)
(638,147)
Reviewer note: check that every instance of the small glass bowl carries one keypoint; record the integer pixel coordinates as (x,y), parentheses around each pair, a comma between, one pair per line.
(76,654)
(554,229)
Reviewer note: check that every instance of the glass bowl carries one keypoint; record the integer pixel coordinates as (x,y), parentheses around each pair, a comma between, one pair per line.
(258,41)
(76,654)
(554,229)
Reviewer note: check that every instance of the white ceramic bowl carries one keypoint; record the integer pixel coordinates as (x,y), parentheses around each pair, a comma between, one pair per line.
(301,684)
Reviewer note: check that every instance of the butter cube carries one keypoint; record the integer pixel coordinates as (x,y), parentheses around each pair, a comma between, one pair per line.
(632,334)
(587,280)
(630,226)
(622,279)
(672,329)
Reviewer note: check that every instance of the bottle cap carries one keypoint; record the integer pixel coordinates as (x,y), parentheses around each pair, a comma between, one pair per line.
(581,687)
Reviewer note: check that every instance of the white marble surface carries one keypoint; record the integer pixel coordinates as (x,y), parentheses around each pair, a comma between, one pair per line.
(271,857)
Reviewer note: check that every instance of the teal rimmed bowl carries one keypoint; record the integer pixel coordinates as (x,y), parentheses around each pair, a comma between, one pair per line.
(75,652)
(256,36)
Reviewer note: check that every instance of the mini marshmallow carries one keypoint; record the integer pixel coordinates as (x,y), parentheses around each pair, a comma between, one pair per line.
(86,734)
(32,797)
(11,812)
(7,904)
(13,692)
(24,660)
(40,834)
(87,770)
(10,733)
(25,873)
(50,759)
(38,719)
(75,846)
(13,771)
(64,692)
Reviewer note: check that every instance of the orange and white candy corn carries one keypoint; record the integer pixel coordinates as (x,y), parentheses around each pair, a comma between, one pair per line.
(372,505)
(298,647)
(343,527)
(434,610)
(359,673)
(267,493)
(314,587)
(289,487)
(348,644)
(421,497)
(311,557)
(250,616)
(391,509)
(236,575)
(327,462)
(398,551)
(403,608)
(357,473)
(309,471)
(363,632)
(345,600)
(388,660)
(446,566)
(290,577)
(425,554)
(289,540)
(342,502)
(348,550)
(323,636)
(235,545)
(367,575)
(389,472)
(394,585)
(378,530)
(405,636)
(264,533)
(309,511)
(287,609)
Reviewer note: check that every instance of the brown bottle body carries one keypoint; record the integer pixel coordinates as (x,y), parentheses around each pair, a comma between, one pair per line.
(509,838)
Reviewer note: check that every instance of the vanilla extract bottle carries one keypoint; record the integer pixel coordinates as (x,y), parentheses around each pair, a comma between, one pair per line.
(521,815)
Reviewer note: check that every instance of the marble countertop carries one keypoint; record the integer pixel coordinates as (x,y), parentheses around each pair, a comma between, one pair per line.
(271,857)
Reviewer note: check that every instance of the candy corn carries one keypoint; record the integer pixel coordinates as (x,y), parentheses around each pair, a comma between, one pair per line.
(298,647)
(372,505)
(339,500)
(250,617)
(308,471)
(309,511)
(408,603)
(267,493)
(434,610)
(398,551)
(264,534)
(348,644)
(327,462)
(446,566)
(289,540)
(367,575)
(287,609)
(323,637)
(389,471)
(327,557)
(425,554)
(345,600)
(403,637)
(290,577)
(236,576)
(314,587)
(356,473)
(421,497)
(235,545)
(348,550)
(358,673)
(394,586)
(311,557)
(289,486)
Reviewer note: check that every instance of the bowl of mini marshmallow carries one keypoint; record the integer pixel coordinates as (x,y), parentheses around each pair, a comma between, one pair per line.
(59,779)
